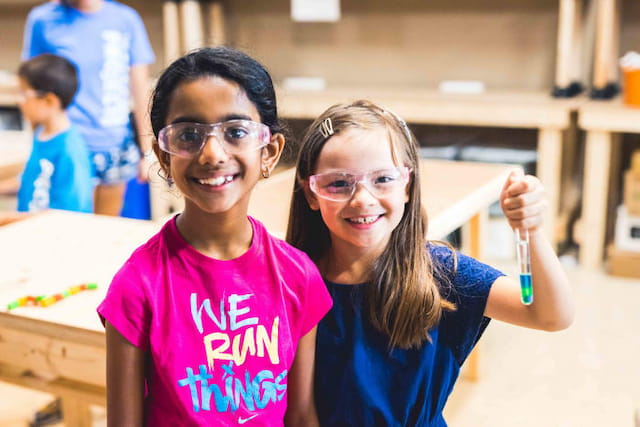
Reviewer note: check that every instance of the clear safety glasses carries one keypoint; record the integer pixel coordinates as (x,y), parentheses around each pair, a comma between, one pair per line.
(235,136)
(340,186)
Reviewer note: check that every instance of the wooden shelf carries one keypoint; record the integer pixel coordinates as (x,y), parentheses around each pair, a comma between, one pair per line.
(609,116)
(602,121)
(9,91)
(518,109)
(15,147)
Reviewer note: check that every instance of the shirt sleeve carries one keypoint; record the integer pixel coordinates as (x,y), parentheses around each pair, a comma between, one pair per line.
(141,51)
(470,282)
(33,42)
(126,306)
(317,301)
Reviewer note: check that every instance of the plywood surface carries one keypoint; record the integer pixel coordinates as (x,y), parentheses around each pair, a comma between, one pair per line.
(452,192)
(53,251)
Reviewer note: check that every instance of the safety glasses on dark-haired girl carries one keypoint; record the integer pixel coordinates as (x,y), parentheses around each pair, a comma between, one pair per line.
(234,136)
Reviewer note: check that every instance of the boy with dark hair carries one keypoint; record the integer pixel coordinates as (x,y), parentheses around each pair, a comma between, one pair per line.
(108,44)
(51,73)
(57,174)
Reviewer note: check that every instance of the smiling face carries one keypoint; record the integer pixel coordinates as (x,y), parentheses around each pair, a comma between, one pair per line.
(364,222)
(214,181)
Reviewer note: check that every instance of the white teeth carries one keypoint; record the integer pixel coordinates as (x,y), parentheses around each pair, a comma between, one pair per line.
(364,219)
(217,181)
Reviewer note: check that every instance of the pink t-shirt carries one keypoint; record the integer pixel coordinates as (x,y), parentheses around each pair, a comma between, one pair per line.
(221,335)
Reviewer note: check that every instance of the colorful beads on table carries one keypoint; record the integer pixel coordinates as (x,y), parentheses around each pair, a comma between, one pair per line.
(46,301)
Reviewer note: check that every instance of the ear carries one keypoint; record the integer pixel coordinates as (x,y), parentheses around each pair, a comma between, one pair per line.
(163,158)
(52,100)
(312,200)
(407,187)
(271,153)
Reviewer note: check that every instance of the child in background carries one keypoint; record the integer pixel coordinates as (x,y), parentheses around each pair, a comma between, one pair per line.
(212,321)
(107,42)
(407,311)
(57,174)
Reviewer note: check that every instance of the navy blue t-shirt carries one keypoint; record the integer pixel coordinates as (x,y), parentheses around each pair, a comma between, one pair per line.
(360,382)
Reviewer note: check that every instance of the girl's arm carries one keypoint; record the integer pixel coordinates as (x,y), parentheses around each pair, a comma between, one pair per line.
(301,409)
(140,92)
(125,381)
(523,202)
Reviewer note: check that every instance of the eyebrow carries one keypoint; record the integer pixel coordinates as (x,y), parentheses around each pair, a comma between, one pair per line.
(194,119)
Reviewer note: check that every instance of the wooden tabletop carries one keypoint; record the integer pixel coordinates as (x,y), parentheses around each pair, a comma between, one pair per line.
(50,252)
(53,251)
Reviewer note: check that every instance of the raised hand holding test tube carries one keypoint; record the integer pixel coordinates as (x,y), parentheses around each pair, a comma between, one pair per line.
(523,201)
(517,222)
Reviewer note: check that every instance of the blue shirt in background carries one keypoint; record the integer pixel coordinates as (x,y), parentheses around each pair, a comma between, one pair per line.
(361,382)
(103,45)
(57,175)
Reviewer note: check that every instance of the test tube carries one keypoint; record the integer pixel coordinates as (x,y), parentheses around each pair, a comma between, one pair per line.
(524,264)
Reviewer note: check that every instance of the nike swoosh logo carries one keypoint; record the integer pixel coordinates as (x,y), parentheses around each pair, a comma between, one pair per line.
(244,420)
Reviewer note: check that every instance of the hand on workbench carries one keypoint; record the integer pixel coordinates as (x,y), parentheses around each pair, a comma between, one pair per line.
(523,201)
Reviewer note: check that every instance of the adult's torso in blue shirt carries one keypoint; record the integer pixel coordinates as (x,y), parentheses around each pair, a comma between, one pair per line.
(361,382)
(103,45)
(57,175)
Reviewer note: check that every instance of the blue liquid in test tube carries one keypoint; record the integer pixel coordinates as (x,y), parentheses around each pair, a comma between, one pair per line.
(524,264)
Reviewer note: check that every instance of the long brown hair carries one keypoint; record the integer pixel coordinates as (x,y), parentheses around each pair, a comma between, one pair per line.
(403,298)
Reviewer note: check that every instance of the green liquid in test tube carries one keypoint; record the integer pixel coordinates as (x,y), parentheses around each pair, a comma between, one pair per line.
(524,264)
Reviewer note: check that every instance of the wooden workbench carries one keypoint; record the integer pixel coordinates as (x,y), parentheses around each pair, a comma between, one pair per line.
(61,349)
(510,109)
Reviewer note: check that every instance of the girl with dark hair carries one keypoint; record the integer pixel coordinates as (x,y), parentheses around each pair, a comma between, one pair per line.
(407,312)
(212,321)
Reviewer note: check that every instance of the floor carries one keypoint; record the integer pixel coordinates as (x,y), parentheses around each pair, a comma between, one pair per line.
(588,375)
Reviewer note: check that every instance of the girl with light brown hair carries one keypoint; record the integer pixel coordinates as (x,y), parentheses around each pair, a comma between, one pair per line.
(407,311)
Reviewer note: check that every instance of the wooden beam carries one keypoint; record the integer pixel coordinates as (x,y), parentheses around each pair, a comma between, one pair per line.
(191,25)
(215,24)
(171,31)
(91,395)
